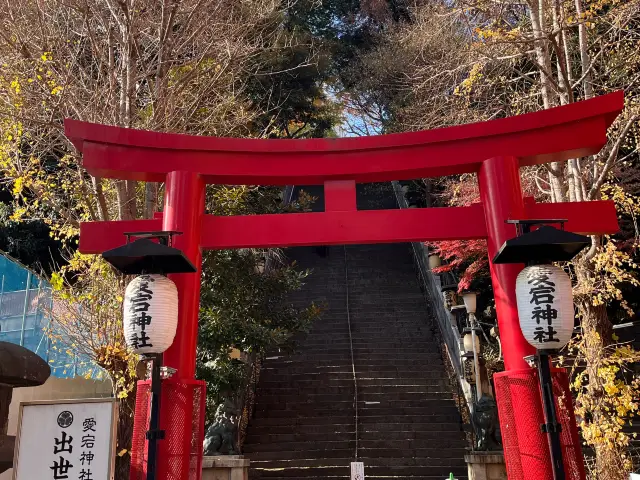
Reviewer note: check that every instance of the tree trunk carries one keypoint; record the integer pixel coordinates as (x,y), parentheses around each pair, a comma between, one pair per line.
(562,66)
(150,199)
(103,209)
(536,12)
(556,181)
(132,203)
(585,58)
(126,408)
(126,200)
(597,332)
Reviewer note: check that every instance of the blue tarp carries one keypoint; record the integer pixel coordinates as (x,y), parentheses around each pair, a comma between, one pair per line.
(25,299)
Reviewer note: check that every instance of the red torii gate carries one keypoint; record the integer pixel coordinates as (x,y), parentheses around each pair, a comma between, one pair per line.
(495,150)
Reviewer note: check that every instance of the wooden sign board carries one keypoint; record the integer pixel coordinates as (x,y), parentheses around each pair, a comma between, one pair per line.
(357,471)
(66,439)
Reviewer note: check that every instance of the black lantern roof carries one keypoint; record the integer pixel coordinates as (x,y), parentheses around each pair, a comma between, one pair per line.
(146,256)
(544,245)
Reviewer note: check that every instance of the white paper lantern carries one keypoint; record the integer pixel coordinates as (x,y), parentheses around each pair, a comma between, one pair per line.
(434,261)
(469,299)
(468,343)
(545,306)
(150,313)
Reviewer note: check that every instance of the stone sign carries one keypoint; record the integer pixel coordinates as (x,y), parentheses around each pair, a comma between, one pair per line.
(67,439)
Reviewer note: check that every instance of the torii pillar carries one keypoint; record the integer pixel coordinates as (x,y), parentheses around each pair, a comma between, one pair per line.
(494,150)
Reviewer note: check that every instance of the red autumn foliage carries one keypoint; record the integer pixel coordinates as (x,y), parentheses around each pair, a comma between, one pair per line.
(470,256)
(466,256)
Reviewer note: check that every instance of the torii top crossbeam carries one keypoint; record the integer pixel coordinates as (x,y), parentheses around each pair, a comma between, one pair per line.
(556,134)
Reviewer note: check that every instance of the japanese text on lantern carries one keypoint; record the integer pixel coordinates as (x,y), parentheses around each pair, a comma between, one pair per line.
(542,295)
(140,304)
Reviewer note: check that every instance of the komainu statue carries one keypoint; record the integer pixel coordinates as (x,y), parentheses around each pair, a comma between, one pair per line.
(485,424)
(220,437)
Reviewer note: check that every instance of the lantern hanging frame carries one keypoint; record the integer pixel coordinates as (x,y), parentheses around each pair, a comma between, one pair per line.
(149,252)
(475,342)
(546,244)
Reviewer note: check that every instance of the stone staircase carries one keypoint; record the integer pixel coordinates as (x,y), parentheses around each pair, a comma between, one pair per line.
(408,425)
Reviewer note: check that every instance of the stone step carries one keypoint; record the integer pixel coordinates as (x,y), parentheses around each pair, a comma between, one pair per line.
(370,410)
(371,461)
(344,381)
(284,373)
(327,360)
(341,444)
(390,346)
(369,322)
(436,471)
(389,452)
(314,388)
(363,436)
(453,417)
(369,344)
(342,403)
(346,394)
(348,427)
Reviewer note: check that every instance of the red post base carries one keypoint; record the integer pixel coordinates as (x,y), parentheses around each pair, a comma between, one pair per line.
(526,447)
(182,409)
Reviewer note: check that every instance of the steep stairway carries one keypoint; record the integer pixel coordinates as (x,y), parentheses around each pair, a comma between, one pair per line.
(407,426)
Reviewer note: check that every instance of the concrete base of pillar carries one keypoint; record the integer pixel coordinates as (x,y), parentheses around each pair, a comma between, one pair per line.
(486,466)
(225,467)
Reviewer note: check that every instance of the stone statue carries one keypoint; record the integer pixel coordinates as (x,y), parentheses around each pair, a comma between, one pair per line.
(485,424)
(19,367)
(220,437)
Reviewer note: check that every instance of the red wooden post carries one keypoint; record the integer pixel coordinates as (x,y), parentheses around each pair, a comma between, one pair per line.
(183,212)
(501,194)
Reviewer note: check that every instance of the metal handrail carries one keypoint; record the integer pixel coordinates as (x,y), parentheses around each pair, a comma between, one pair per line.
(447,324)
(353,362)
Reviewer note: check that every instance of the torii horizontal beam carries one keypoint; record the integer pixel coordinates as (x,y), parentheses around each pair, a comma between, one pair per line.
(352,227)
(555,134)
